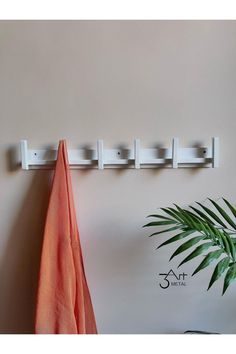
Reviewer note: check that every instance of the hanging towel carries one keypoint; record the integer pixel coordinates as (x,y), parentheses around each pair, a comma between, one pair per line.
(63,300)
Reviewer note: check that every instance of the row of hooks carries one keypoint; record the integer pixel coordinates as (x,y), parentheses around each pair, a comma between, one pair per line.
(136,157)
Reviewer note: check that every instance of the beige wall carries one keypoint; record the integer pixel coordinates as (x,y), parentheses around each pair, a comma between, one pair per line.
(115,80)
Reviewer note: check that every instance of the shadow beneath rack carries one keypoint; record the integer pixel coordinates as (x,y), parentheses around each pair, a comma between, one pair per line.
(20,263)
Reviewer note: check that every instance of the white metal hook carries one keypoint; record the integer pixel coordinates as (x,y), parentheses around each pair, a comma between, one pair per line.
(215,152)
(137,153)
(100,154)
(175,147)
(24,154)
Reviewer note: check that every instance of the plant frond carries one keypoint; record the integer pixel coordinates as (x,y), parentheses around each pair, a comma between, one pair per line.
(219,270)
(230,276)
(207,225)
(187,245)
(177,237)
(223,214)
(208,259)
(197,252)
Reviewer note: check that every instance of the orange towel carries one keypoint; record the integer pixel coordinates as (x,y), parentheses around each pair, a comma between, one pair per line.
(63,300)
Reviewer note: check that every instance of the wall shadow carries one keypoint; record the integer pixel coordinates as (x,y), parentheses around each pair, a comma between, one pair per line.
(12,158)
(20,263)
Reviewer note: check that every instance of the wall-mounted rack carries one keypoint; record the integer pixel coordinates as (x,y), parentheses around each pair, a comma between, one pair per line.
(135,157)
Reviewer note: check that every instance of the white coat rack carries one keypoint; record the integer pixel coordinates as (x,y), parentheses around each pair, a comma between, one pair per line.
(136,157)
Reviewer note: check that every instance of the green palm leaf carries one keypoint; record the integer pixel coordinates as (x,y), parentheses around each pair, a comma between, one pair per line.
(203,216)
(186,245)
(208,259)
(212,214)
(158,216)
(172,213)
(219,270)
(178,237)
(224,214)
(230,206)
(166,230)
(231,246)
(160,223)
(199,250)
(230,276)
